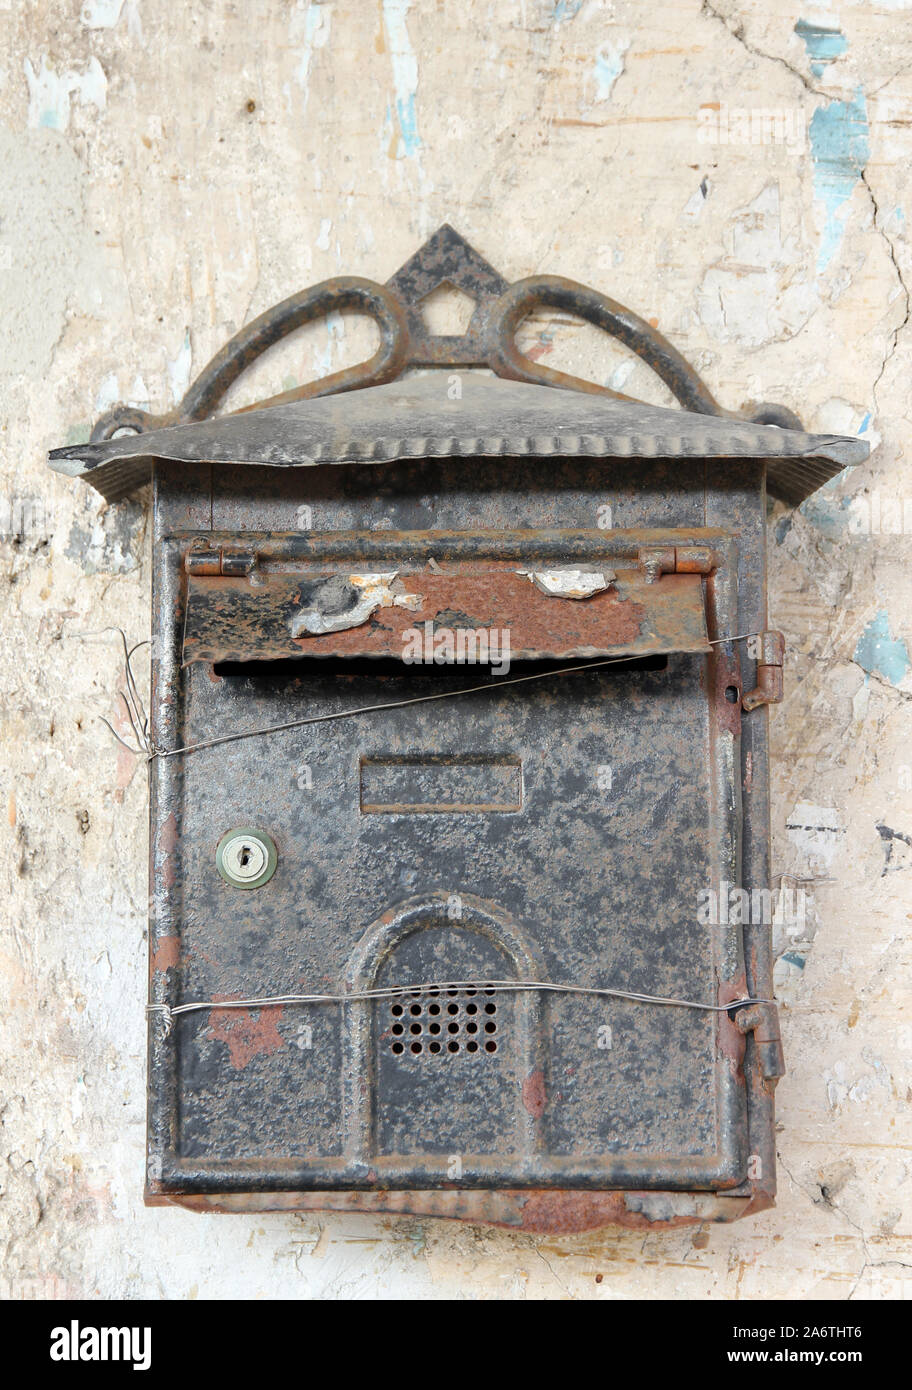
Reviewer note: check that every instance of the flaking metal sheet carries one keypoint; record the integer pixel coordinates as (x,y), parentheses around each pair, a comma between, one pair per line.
(277,615)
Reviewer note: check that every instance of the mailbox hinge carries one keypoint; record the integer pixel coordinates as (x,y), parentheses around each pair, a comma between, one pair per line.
(763,1021)
(219,560)
(771,655)
(656,560)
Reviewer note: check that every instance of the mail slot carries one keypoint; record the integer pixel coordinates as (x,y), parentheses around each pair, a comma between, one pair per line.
(459,727)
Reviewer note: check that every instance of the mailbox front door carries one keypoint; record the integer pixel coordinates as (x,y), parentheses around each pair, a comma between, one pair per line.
(568,814)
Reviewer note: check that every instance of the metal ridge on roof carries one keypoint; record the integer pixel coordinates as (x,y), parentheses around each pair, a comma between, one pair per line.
(417,418)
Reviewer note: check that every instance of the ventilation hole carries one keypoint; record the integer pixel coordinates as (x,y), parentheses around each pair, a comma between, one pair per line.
(415,1010)
(732,694)
(471,991)
(396,1010)
(434,1009)
(471,1046)
(489,1047)
(471,1008)
(489,1028)
(434,1028)
(416,1048)
(453,1028)
(452,1008)
(435,1046)
(398,1029)
(470,1028)
(415,1029)
(397,1048)
(453,1046)
(452,993)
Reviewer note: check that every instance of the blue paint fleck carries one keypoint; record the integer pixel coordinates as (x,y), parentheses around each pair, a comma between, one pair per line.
(839,147)
(408,123)
(793,958)
(566,9)
(878,651)
(865,422)
(609,64)
(822,45)
(50,118)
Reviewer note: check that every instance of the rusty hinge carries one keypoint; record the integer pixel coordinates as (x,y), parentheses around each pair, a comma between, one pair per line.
(219,560)
(763,1021)
(656,560)
(769,650)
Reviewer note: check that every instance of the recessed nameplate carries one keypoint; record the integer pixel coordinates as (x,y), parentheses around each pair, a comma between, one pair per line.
(428,785)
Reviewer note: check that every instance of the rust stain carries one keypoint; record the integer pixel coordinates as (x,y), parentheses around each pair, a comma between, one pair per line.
(539,1211)
(727,677)
(534,1095)
(167,844)
(230,620)
(557,1213)
(165,954)
(247,1036)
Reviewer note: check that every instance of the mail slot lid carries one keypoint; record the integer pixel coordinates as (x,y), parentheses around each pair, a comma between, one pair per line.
(460,614)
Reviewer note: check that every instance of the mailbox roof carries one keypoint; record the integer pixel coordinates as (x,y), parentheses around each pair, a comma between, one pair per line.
(417,417)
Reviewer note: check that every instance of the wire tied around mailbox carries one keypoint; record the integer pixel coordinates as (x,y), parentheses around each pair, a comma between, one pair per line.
(145,747)
(171,1011)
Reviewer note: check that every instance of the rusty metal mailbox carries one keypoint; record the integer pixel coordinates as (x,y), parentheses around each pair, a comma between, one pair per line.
(458,732)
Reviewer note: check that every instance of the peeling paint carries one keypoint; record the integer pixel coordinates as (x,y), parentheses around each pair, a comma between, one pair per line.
(405,73)
(338,613)
(101,14)
(609,64)
(877,652)
(51,93)
(575,584)
(317,30)
(822,44)
(840,151)
(178,369)
(816,832)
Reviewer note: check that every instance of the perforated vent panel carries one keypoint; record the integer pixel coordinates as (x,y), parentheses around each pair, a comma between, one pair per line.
(444,1023)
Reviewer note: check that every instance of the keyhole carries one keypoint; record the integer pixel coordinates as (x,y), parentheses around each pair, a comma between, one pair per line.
(246,858)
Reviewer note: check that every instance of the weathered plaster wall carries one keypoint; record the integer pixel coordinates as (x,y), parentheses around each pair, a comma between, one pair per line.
(168,171)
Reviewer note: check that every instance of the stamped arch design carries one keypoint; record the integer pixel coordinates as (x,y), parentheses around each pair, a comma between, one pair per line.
(377,945)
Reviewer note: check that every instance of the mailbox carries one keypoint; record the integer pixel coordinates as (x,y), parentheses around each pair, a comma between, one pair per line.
(459,782)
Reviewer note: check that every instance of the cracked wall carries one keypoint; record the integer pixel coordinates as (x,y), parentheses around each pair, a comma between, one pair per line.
(736,173)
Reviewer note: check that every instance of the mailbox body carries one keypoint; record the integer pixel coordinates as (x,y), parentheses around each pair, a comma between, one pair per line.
(437,822)
(594,810)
